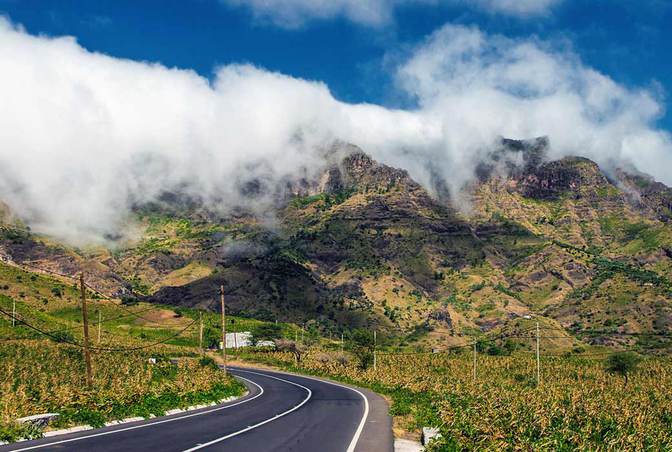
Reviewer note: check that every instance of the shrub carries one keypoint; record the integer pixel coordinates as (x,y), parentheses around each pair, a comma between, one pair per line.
(622,363)
(206,361)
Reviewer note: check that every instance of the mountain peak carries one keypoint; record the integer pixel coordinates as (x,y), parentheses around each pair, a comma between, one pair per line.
(350,168)
(513,157)
(569,175)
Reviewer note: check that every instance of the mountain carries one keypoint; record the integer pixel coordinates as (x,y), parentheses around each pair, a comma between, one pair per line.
(587,252)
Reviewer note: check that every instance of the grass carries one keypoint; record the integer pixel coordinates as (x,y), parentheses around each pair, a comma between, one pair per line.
(190,272)
(35,288)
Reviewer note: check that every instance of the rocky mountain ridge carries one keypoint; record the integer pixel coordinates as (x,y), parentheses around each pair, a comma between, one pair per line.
(364,244)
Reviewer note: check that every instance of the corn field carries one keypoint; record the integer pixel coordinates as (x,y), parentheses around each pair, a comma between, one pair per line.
(40,376)
(577,406)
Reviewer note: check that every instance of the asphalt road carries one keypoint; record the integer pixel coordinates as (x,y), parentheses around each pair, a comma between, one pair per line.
(282,412)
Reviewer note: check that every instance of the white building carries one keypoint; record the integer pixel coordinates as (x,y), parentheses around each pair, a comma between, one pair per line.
(243,339)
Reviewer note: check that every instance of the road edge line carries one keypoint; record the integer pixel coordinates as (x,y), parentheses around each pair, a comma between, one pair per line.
(362,422)
(148,424)
(259,424)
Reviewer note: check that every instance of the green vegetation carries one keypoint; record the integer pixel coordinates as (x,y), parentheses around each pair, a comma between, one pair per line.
(40,377)
(579,405)
(324,200)
(42,374)
(623,364)
(507,291)
(266,332)
(459,304)
(571,253)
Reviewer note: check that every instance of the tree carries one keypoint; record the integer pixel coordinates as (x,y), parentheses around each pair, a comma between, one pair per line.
(362,345)
(212,336)
(284,345)
(312,334)
(266,332)
(622,363)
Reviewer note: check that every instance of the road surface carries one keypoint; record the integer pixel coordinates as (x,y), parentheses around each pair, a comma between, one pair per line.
(282,412)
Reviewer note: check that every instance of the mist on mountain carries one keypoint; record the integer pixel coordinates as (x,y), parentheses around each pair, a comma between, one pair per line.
(85,136)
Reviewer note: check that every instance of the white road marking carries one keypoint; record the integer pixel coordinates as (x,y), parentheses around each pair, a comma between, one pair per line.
(271,419)
(362,422)
(150,424)
(351,447)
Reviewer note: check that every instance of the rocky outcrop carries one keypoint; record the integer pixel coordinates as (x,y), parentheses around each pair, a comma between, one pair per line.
(513,158)
(644,191)
(575,177)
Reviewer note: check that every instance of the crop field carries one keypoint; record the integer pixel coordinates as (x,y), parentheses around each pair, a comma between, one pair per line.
(577,406)
(39,377)
(42,368)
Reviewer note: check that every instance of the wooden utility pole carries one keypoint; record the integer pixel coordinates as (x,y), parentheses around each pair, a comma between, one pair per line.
(235,335)
(13,313)
(221,296)
(200,333)
(474,361)
(538,361)
(100,321)
(341,342)
(85,321)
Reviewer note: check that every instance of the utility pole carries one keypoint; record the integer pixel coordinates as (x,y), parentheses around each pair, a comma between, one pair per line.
(100,321)
(200,332)
(85,321)
(374,349)
(13,313)
(221,296)
(474,361)
(341,342)
(235,336)
(538,361)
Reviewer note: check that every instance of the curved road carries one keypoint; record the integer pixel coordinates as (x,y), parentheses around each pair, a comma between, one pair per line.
(282,412)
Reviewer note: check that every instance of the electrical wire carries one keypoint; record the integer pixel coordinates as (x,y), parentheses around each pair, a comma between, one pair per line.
(94,348)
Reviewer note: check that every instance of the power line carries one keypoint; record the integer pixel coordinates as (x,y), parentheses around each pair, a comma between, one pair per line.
(55,273)
(102,349)
(136,314)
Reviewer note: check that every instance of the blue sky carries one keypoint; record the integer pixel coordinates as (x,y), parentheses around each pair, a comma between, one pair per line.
(629,40)
(204,95)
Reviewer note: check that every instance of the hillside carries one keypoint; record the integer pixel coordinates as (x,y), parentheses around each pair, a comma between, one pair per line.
(586,251)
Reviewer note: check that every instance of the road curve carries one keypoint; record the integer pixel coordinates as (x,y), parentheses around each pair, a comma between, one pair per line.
(282,412)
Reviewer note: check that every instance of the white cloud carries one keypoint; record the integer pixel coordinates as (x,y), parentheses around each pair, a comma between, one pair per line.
(83,136)
(295,13)
(521,8)
(487,85)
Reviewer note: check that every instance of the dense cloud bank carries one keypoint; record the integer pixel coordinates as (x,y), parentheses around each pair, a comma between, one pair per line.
(84,136)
